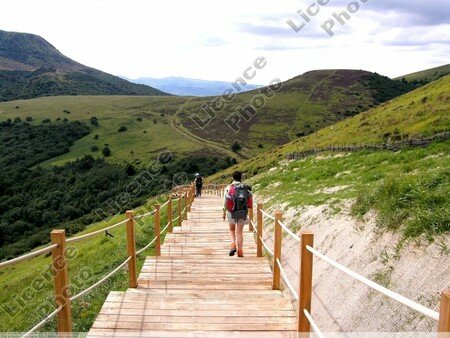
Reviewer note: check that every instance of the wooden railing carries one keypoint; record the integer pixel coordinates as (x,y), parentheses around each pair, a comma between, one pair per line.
(63,311)
(305,272)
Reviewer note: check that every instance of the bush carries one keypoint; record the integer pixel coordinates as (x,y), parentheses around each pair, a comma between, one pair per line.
(28,119)
(95,137)
(139,119)
(236,147)
(94,121)
(94,149)
(46,121)
(106,151)
(122,129)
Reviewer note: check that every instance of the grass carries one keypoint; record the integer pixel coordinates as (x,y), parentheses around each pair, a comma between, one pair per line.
(422,112)
(409,189)
(427,75)
(95,257)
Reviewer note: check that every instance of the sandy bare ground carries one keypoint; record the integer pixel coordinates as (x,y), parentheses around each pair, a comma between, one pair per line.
(417,270)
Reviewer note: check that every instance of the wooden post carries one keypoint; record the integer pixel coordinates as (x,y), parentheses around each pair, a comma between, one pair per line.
(131,249)
(259,223)
(157,231)
(180,218)
(169,214)
(61,281)
(250,219)
(444,314)
(185,206)
(305,282)
(188,200)
(277,251)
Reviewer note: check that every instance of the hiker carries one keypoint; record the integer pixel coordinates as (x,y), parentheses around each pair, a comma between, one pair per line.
(238,199)
(198,185)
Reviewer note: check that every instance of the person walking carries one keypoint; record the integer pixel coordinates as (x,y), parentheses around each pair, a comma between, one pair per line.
(198,185)
(238,199)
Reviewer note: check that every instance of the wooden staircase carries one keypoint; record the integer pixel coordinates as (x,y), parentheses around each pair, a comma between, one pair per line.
(194,289)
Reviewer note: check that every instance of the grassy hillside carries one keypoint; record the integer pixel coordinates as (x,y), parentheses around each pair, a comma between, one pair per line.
(31,67)
(148,122)
(302,106)
(426,76)
(422,112)
(85,269)
(299,107)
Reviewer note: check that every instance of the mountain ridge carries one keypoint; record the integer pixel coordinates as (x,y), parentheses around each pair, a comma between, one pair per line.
(32,67)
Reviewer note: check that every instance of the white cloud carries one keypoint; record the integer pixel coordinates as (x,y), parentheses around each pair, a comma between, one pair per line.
(218,40)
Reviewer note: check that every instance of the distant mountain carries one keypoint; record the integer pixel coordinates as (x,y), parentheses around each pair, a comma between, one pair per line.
(31,67)
(426,76)
(189,87)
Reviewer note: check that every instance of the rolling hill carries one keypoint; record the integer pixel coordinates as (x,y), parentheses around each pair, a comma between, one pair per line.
(426,76)
(31,67)
(182,86)
(422,112)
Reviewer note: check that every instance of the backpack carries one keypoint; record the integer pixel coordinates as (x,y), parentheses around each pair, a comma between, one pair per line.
(239,200)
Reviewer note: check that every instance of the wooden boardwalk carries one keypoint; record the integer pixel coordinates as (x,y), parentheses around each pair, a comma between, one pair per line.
(194,289)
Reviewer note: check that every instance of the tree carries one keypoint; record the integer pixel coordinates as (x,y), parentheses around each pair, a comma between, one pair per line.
(236,146)
(106,151)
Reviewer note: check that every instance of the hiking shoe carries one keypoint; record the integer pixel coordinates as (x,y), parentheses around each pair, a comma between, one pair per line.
(233,249)
(240,253)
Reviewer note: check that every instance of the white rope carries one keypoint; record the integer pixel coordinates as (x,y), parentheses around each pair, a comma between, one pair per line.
(165,228)
(147,246)
(182,211)
(391,294)
(268,215)
(101,281)
(91,234)
(286,280)
(289,231)
(28,255)
(43,322)
(313,324)
(176,218)
(162,206)
(265,246)
(144,215)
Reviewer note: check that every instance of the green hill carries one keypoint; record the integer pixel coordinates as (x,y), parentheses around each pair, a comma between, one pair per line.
(422,112)
(31,67)
(298,107)
(426,76)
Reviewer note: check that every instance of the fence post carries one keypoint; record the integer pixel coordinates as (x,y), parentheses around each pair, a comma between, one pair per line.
(131,249)
(444,313)
(61,280)
(305,282)
(180,216)
(169,214)
(259,230)
(277,251)
(185,206)
(250,219)
(157,231)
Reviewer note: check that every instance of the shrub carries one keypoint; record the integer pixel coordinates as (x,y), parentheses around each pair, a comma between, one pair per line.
(122,129)
(28,119)
(106,151)
(94,149)
(94,121)
(139,119)
(95,137)
(236,147)
(46,121)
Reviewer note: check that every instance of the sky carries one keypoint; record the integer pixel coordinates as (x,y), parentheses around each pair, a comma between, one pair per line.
(219,40)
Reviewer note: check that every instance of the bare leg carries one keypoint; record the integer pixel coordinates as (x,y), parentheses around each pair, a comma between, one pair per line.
(240,237)
(232,233)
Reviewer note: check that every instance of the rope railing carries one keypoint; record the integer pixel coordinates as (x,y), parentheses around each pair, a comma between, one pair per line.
(25,257)
(60,263)
(391,294)
(101,281)
(286,280)
(307,252)
(313,324)
(42,322)
(268,215)
(94,233)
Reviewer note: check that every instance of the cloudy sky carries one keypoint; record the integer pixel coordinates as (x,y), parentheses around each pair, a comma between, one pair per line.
(218,40)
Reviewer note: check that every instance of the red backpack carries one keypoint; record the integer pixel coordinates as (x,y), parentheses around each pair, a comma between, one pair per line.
(239,200)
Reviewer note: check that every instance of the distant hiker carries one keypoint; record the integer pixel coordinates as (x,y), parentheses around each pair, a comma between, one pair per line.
(238,199)
(198,185)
